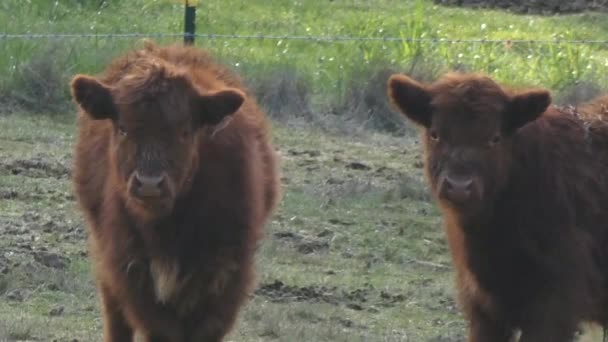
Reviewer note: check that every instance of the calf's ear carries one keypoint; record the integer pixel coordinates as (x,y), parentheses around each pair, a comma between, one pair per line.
(526,107)
(214,107)
(94,97)
(411,97)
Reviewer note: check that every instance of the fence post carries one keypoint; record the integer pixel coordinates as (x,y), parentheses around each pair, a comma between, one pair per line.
(189,20)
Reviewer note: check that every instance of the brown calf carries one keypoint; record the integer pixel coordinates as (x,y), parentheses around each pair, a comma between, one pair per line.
(523,190)
(176,175)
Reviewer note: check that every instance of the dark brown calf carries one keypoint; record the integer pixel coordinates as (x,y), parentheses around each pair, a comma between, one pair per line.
(176,175)
(523,189)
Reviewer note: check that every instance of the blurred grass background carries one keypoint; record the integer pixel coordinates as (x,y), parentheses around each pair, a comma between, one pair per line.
(343,78)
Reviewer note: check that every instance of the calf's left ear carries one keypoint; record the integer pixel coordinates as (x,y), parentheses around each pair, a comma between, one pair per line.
(215,106)
(526,107)
(94,97)
(411,97)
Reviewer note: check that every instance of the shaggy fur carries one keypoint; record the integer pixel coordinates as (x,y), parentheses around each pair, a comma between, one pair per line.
(596,106)
(177,266)
(522,188)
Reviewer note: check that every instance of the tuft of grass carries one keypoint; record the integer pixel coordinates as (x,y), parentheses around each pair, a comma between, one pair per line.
(38,83)
(282,90)
(17,331)
(578,92)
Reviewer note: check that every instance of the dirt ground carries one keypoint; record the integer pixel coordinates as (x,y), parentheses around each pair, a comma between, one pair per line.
(533,6)
(355,252)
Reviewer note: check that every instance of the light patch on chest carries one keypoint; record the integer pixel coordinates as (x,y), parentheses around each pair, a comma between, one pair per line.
(165,277)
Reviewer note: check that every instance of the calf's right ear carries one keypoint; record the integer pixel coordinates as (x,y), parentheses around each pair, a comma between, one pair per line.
(411,97)
(94,97)
(214,107)
(526,107)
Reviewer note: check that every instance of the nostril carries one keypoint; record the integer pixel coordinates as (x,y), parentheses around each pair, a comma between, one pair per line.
(160,182)
(468,185)
(136,181)
(137,178)
(448,184)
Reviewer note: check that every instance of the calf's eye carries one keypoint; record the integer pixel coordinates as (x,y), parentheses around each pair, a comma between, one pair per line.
(122,131)
(434,136)
(495,140)
(185,134)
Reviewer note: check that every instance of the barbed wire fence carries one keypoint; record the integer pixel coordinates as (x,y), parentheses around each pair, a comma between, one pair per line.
(318,39)
(189,35)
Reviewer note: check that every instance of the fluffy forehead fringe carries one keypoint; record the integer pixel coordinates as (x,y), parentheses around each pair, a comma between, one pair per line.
(149,78)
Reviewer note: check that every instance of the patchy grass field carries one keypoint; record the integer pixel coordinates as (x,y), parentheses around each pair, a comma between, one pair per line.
(354,253)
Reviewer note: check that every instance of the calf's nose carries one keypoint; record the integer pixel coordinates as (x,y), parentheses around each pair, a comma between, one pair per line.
(458,190)
(148,186)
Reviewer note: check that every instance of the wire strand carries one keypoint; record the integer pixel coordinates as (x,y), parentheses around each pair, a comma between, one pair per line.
(25,36)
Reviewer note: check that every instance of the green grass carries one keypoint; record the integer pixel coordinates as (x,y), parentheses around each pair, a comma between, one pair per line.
(330,69)
(365,245)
